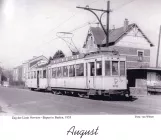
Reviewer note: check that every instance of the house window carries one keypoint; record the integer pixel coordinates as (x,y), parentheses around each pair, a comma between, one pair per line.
(91,41)
(140,55)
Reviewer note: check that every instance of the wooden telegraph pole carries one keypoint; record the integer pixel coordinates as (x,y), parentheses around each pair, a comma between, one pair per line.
(107,23)
(106,31)
(158,50)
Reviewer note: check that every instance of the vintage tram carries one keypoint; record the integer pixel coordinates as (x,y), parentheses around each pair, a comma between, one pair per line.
(97,74)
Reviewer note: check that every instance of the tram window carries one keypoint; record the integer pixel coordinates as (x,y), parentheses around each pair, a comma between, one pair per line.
(65,71)
(80,69)
(99,68)
(41,74)
(31,75)
(59,72)
(122,68)
(71,71)
(86,69)
(34,74)
(49,73)
(107,68)
(115,68)
(53,72)
(44,73)
(28,75)
(92,69)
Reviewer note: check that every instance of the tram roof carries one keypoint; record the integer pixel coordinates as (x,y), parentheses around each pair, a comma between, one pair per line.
(80,56)
(42,66)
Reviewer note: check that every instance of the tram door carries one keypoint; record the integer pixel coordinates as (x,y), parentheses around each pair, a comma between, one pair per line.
(38,76)
(90,75)
(49,76)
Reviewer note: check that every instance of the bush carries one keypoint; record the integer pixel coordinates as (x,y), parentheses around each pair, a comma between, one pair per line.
(17,83)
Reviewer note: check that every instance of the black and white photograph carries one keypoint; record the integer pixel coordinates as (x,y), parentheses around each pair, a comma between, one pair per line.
(80,57)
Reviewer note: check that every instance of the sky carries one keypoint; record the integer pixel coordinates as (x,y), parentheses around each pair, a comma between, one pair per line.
(28,27)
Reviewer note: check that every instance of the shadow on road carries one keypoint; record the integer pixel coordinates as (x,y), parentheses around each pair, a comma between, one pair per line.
(115,98)
(103,98)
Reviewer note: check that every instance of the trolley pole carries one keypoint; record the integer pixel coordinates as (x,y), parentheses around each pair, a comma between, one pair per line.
(106,31)
(157,65)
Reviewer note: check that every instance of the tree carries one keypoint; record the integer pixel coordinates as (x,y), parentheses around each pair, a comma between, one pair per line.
(58,54)
(3,77)
(50,58)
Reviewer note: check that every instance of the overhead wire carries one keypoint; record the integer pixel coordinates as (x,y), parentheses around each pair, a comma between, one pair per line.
(85,24)
(64,23)
(123,5)
(69,18)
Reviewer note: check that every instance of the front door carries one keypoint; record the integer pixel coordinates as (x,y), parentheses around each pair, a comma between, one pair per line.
(90,75)
(38,78)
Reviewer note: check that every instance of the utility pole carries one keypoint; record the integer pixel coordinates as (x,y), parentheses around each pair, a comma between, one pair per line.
(158,50)
(106,31)
(107,23)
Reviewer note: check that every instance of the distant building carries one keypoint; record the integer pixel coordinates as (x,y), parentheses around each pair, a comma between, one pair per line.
(17,74)
(0,75)
(129,41)
(20,73)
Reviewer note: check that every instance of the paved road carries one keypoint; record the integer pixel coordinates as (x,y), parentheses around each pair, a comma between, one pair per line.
(26,102)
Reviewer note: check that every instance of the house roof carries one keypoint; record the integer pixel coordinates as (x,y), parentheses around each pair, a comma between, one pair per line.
(114,34)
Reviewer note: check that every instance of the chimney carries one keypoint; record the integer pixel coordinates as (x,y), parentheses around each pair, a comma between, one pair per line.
(126,23)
